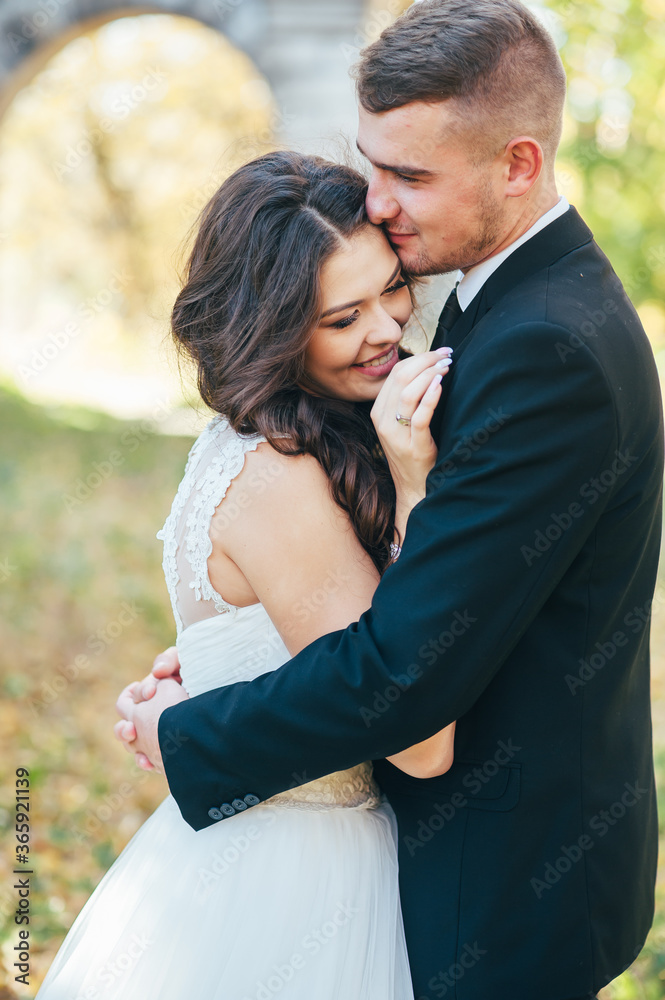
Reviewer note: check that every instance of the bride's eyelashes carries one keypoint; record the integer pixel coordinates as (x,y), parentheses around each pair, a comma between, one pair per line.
(342,324)
(396,287)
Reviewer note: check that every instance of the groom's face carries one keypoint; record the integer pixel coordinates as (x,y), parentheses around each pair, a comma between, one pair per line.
(439,210)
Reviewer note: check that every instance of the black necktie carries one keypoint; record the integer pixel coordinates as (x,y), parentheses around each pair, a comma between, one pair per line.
(450,313)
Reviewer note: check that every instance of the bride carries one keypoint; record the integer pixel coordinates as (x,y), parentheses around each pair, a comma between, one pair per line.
(288,513)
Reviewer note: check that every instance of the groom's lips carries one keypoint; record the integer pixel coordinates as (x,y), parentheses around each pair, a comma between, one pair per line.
(396,237)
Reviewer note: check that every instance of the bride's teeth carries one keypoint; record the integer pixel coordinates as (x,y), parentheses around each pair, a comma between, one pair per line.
(378,361)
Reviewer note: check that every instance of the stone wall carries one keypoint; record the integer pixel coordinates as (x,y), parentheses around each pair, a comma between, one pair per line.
(303,48)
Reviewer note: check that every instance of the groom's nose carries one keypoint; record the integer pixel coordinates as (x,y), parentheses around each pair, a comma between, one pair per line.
(381,205)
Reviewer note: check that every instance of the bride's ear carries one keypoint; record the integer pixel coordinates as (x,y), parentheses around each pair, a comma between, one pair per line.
(524,161)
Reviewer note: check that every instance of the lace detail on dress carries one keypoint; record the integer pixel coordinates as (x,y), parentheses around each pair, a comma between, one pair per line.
(203,487)
(354,788)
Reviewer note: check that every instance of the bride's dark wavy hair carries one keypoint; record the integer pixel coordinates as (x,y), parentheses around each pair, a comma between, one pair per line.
(249,305)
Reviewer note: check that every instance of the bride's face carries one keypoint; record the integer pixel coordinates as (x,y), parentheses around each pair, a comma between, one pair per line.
(365,306)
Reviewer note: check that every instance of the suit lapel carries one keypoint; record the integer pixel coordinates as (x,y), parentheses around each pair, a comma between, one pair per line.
(561,237)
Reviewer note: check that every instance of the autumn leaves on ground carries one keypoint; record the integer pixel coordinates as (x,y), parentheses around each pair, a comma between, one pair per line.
(84,610)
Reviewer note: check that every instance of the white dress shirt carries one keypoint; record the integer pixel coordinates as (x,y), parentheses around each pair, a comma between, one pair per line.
(474,279)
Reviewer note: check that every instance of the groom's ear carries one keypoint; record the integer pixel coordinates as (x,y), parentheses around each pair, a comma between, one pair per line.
(524,160)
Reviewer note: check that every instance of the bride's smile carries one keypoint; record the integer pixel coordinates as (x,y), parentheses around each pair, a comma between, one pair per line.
(365,306)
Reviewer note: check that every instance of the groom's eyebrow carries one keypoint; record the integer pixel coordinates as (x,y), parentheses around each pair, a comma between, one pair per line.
(397,169)
(350,305)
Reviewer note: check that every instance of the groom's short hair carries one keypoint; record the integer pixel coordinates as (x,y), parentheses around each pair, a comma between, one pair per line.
(492,59)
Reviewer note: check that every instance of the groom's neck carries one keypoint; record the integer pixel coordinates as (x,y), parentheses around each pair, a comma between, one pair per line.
(531,208)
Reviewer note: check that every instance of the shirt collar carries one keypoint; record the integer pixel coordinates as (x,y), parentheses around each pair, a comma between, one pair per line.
(469,284)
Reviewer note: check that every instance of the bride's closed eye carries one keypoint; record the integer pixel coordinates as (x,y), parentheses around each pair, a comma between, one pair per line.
(342,324)
(396,287)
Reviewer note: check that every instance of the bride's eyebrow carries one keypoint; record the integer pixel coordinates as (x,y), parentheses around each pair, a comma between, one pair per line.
(350,305)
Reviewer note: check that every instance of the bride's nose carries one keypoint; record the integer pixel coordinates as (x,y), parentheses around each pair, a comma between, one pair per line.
(385,330)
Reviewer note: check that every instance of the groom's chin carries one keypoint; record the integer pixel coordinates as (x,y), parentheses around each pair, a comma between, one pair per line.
(417,267)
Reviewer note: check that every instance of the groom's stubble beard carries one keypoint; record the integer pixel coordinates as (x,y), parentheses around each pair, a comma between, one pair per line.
(478,246)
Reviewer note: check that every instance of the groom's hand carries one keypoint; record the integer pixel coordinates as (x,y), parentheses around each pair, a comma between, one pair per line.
(137,729)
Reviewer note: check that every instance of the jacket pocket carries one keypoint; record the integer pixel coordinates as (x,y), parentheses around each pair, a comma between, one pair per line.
(469,784)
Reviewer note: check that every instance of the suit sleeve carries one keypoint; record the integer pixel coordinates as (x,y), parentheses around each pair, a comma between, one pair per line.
(510,503)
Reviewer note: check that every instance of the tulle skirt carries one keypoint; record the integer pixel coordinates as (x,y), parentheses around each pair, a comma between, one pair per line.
(276,901)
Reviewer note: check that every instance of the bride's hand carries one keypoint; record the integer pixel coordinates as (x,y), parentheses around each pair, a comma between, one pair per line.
(165,665)
(412,391)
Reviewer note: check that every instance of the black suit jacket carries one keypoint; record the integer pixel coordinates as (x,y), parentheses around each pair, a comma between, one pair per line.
(520,607)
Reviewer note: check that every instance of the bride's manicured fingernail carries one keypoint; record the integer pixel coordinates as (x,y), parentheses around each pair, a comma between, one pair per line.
(445,363)
(444,350)
(435,381)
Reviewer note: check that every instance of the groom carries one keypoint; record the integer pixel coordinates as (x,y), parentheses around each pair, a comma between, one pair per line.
(520,603)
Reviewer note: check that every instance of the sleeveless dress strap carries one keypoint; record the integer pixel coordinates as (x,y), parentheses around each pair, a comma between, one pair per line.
(216,458)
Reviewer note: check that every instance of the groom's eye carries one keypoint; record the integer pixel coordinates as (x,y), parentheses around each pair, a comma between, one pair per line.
(407,179)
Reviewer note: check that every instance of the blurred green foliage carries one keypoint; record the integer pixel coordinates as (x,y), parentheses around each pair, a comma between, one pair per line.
(612,158)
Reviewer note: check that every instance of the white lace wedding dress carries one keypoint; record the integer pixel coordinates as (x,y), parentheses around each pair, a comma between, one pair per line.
(295,897)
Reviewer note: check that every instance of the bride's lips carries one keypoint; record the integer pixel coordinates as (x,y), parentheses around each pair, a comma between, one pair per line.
(376,371)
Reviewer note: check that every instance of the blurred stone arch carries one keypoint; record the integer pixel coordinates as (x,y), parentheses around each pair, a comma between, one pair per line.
(57,271)
(303,49)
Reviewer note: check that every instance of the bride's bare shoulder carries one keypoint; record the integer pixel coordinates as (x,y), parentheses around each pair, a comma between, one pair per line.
(280,527)
(271,479)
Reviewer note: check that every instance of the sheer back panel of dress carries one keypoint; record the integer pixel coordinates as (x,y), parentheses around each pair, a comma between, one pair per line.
(216,458)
